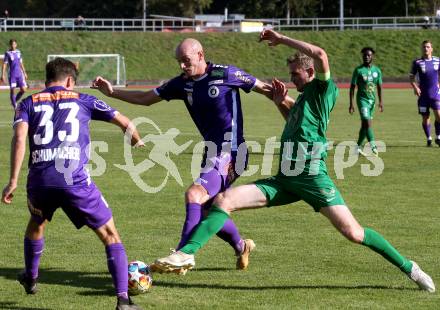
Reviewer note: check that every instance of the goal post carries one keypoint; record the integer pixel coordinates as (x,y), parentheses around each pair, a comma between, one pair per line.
(109,66)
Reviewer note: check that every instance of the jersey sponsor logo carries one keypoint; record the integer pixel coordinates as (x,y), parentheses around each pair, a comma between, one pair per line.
(213,91)
(213,82)
(41,97)
(101,105)
(364,77)
(219,66)
(239,75)
(218,73)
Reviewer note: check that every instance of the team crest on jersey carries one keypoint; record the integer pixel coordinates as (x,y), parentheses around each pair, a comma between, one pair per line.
(101,105)
(213,91)
(436,67)
(375,75)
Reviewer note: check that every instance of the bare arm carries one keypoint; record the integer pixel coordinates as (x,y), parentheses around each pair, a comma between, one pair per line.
(128,128)
(18,149)
(283,102)
(23,70)
(379,94)
(412,80)
(351,107)
(4,72)
(263,88)
(313,51)
(131,96)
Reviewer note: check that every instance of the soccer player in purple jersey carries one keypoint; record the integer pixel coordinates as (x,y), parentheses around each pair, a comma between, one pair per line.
(17,73)
(57,122)
(211,95)
(427,90)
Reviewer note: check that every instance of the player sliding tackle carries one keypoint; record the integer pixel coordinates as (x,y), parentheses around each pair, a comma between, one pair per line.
(306,126)
(211,93)
(57,121)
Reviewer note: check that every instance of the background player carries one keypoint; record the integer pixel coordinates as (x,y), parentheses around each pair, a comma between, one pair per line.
(426,69)
(211,95)
(17,73)
(57,121)
(305,128)
(367,77)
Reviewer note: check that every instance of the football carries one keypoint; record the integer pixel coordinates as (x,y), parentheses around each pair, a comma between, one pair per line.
(139,278)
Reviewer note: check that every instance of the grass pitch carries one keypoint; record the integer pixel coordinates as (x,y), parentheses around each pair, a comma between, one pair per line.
(301,262)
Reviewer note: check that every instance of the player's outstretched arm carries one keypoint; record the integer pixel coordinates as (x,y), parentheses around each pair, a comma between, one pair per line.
(283,102)
(131,96)
(318,54)
(128,128)
(18,149)
(263,88)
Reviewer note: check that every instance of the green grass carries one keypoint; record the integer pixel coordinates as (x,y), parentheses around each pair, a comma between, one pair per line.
(301,262)
(150,56)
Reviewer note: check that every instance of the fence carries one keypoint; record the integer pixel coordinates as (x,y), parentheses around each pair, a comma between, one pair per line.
(187,24)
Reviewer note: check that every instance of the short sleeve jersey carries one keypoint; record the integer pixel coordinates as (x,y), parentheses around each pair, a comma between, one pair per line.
(13,59)
(213,101)
(366,79)
(427,71)
(59,135)
(304,136)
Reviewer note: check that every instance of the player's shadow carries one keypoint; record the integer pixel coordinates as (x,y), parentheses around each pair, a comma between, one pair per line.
(95,283)
(279,287)
(10,305)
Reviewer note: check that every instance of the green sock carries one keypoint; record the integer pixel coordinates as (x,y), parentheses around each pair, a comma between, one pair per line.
(378,244)
(362,135)
(205,230)
(370,137)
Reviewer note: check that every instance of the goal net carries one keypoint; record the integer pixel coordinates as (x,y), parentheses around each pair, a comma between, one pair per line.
(109,66)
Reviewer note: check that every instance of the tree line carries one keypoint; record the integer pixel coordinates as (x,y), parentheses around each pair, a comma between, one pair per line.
(188,8)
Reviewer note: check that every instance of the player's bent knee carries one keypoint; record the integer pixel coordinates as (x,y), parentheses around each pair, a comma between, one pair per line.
(196,194)
(223,202)
(354,234)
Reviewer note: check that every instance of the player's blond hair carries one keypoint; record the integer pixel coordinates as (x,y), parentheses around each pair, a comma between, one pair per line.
(304,61)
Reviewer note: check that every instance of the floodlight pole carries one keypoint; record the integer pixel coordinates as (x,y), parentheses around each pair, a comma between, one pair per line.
(341,15)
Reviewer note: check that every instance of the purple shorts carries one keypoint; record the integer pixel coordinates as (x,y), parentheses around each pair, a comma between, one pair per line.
(219,172)
(84,205)
(426,103)
(17,81)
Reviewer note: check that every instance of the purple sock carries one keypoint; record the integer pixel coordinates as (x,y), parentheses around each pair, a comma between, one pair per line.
(230,234)
(18,97)
(437,128)
(427,130)
(32,253)
(117,266)
(13,102)
(192,219)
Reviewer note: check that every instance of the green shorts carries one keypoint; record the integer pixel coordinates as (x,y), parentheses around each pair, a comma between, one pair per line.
(317,190)
(366,108)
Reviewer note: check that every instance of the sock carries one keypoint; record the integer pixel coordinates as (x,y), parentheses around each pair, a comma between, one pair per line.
(13,102)
(207,228)
(378,244)
(192,219)
(230,234)
(19,94)
(427,130)
(117,266)
(32,253)
(437,129)
(370,137)
(362,135)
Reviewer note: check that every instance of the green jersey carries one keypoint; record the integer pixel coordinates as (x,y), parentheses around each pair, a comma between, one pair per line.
(366,79)
(304,137)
